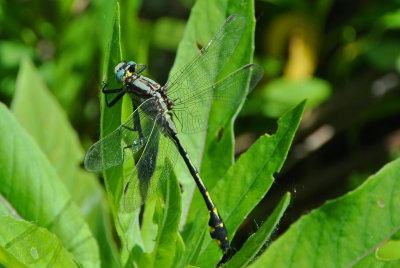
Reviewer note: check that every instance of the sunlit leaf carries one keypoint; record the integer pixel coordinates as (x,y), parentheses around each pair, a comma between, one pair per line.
(32,105)
(33,188)
(345,232)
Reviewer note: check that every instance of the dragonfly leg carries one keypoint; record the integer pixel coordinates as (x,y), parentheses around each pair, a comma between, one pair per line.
(111,91)
(130,146)
(134,129)
(142,68)
(137,127)
(129,128)
(134,144)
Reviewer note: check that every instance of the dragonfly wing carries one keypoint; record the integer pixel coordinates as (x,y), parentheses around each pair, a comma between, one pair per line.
(192,112)
(154,166)
(203,69)
(121,144)
(231,88)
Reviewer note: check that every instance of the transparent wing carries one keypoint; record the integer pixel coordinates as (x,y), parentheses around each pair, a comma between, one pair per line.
(154,166)
(192,111)
(203,69)
(122,143)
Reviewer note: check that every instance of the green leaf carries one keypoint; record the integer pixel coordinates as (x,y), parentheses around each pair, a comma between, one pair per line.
(33,188)
(111,116)
(205,19)
(179,250)
(169,224)
(32,105)
(136,33)
(31,245)
(38,111)
(280,94)
(249,179)
(127,226)
(8,260)
(166,216)
(344,232)
(255,242)
(218,153)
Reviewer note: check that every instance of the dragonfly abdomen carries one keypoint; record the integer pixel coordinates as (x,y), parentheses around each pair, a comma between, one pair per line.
(218,230)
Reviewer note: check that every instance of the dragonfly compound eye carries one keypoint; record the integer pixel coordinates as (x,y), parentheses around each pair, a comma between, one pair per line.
(120,75)
(119,66)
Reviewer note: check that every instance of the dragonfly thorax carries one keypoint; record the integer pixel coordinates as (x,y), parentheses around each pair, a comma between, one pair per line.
(168,101)
(140,86)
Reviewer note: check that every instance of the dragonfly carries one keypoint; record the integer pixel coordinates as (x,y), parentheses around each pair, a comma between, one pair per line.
(183,104)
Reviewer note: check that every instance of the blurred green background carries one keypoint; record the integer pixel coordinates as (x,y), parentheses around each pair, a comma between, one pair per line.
(343,58)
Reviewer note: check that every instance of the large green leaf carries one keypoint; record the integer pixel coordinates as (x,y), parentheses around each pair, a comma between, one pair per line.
(32,105)
(32,245)
(345,232)
(35,191)
(40,114)
(127,224)
(111,116)
(205,19)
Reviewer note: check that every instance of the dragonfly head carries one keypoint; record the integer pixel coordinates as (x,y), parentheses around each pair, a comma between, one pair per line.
(122,68)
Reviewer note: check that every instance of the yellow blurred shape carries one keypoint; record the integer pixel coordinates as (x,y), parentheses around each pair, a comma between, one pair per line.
(299,34)
(301,61)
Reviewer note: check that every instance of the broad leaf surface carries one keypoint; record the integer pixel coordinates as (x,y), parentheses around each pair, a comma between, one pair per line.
(127,224)
(205,19)
(40,114)
(33,188)
(111,116)
(345,232)
(32,245)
